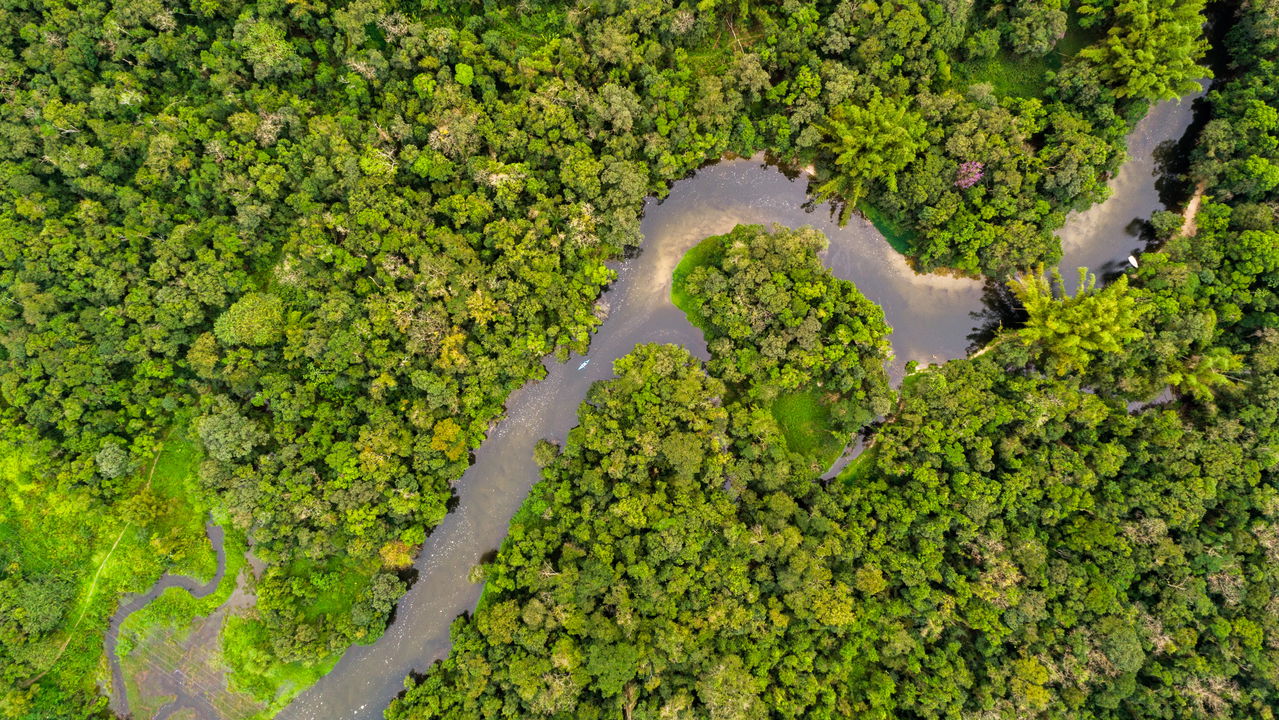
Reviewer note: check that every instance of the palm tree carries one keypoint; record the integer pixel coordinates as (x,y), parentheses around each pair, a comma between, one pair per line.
(1072,330)
(1205,372)
(871,142)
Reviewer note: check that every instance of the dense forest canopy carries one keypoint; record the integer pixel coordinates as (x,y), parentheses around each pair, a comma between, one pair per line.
(775,320)
(310,249)
(645,574)
(1027,536)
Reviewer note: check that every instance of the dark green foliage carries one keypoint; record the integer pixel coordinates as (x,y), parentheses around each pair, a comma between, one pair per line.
(1036,26)
(787,335)
(776,320)
(1238,154)
(226,434)
(1067,552)
(641,567)
(1044,119)
(1016,543)
(340,235)
(1214,307)
(1054,551)
(345,233)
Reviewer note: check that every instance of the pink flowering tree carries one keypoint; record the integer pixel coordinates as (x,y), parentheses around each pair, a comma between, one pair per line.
(969,174)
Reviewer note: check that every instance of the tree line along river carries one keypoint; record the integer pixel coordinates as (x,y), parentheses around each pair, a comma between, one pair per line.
(934,318)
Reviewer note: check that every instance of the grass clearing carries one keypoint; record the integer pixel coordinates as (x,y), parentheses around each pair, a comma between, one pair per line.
(339,583)
(707,252)
(79,556)
(1008,74)
(173,480)
(805,421)
(1012,75)
(910,381)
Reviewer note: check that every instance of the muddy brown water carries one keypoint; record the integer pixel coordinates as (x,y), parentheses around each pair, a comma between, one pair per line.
(934,319)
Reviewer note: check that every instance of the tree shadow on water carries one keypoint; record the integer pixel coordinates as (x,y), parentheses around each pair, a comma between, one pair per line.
(1000,310)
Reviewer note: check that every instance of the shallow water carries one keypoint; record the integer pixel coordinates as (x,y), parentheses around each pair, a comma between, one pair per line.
(174,680)
(934,317)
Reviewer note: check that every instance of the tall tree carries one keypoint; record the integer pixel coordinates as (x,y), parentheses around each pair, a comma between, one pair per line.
(1070,331)
(869,143)
(1152,50)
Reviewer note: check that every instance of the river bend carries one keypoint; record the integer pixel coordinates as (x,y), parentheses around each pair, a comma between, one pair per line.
(932,316)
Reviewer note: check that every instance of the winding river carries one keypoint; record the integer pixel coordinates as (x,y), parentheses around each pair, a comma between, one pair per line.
(935,318)
(932,317)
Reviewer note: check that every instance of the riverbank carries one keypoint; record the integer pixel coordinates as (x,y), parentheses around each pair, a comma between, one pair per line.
(933,317)
(1188,215)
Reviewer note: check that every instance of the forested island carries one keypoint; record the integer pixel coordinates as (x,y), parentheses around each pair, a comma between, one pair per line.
(280,267)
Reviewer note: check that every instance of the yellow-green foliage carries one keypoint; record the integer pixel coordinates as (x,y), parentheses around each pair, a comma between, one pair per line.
(255,667)
(68,557)
(1071,331)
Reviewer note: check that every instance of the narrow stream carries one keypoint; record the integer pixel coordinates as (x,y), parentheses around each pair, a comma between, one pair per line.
(176,684)
(933,318)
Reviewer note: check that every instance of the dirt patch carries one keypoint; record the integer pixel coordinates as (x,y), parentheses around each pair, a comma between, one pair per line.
(1188,228)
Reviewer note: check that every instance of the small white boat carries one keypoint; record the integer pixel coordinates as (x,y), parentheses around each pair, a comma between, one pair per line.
(585,362)
(1132,261)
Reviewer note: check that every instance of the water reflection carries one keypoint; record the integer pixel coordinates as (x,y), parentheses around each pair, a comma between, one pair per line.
(1102,237)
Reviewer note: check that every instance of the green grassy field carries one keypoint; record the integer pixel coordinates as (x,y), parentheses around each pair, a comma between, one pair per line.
(1008,74)
(1013,75)
(805,422)
(180,524)
(339,583)
(704,253)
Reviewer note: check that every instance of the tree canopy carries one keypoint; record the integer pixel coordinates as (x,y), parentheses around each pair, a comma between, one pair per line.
(1031,532)
(776,320)
(325,242)
(869,143)
(1153,49)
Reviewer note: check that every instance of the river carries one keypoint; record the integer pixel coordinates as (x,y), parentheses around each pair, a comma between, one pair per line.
(934,318)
